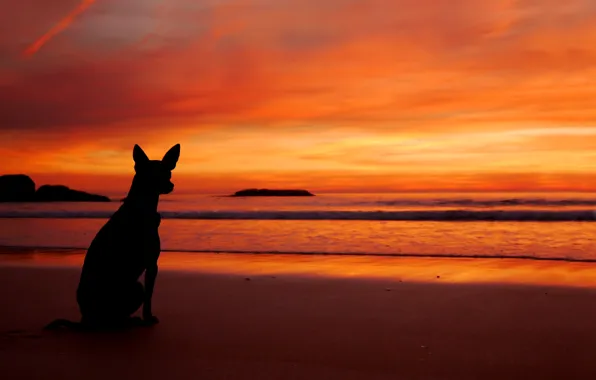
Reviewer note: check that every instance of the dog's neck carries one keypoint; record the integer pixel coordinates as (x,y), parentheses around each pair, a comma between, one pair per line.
(141,199)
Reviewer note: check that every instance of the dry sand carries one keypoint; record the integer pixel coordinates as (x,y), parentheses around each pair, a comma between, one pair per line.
(313,318)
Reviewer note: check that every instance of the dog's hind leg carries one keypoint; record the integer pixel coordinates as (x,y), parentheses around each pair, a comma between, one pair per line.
(131,299)
(128,302)
(112,307)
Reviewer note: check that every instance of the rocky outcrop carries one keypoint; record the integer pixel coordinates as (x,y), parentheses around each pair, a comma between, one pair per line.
(272,193)
(21,188)
(60,193)
(16,188)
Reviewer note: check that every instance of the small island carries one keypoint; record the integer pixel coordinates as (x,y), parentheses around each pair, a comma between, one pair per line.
(61,193)
(21,188)
(272,193)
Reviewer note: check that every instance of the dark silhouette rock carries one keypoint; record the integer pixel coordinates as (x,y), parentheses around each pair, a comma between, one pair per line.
(60,193)
(21,188)
(272,193)
(16,188)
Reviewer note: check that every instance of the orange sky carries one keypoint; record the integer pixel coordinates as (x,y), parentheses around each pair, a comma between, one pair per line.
(334,95)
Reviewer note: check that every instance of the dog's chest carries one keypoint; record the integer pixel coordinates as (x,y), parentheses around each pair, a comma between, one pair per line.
(138,236)
(144,234)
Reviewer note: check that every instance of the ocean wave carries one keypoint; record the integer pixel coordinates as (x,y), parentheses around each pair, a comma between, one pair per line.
(511,202)
(407,215)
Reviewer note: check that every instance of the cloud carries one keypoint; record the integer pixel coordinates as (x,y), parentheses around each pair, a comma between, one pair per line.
(239,72)
(340,61)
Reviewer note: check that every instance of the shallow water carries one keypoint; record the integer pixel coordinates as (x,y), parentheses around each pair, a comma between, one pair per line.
(79,222)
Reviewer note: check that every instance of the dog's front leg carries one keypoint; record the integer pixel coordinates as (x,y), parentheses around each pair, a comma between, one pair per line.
(150,276)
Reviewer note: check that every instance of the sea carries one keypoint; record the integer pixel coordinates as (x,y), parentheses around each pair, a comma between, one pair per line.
(559,226)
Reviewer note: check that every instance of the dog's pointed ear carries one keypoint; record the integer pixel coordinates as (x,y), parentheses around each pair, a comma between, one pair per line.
(171,157)
(139,156)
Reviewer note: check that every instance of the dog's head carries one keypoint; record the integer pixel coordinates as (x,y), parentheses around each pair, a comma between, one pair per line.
(156,175)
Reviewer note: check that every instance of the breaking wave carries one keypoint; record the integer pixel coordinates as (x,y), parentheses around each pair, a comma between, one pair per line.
(402,215)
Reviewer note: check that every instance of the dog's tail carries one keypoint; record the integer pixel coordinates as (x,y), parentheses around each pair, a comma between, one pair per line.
(59,323)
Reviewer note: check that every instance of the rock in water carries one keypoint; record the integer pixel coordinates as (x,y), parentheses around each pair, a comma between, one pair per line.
(60,193)
(16,188)
(272,193)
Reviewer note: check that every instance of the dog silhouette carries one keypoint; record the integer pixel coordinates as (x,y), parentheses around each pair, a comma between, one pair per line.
(109,290)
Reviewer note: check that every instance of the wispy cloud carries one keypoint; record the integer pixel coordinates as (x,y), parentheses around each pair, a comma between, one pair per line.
(495,86)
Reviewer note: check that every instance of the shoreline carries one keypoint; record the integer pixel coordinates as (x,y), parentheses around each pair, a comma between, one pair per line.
(446,270)
(5,249)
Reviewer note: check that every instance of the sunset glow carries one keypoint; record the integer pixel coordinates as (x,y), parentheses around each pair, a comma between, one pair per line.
(339,95)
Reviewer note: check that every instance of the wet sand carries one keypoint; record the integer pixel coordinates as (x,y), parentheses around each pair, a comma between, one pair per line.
(249,317)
